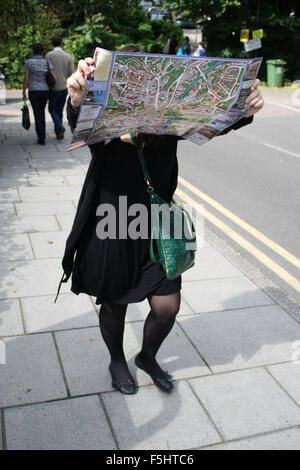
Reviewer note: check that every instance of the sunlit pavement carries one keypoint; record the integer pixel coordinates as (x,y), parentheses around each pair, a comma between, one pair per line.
(234,352)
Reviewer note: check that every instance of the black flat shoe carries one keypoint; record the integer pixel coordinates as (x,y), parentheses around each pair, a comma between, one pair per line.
(163,383)
(127,388)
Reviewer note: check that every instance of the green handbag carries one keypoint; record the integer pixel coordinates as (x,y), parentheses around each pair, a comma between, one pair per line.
(173,244)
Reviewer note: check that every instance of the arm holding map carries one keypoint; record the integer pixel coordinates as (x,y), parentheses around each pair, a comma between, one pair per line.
(191,98)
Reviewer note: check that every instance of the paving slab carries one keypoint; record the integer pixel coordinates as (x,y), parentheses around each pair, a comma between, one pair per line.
(36,149)
(288,375)
(19,138)
(281,440)
(85,360)
(10,318)
(12,183)
(246,403)
(138,312)
(29,224)
(154,420)
(18,172)
(45,208)
(245,338)
(50,193)
(70,311)
(11,150)
(19,164)
(49,244)
(177,354)
(14,160)
(47,181)
(185,309)
(7,212)
(32,372)
(75,424)
(76,170)
(14,247)
(223,294)
(30,278)
(76,180)
(56,160)
(66,221)
(210,265)
(9,195)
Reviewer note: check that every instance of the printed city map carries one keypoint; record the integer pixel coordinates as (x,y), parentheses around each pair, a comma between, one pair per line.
(189,97)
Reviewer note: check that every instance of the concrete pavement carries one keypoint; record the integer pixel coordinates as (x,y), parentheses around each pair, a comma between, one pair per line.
(234,351)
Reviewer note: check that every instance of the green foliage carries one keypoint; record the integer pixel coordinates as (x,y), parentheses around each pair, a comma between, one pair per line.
(111,24)
(84,39)
(18,45)
(113,33)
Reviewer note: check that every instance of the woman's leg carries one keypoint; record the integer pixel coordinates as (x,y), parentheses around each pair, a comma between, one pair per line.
(34,97)
(158,325)
(112,325)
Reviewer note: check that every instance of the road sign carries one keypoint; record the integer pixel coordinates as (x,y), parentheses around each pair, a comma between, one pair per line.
(245,34)
(258,33)
(252,45)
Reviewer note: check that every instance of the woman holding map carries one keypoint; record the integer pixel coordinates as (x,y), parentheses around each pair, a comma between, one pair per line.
(118,270)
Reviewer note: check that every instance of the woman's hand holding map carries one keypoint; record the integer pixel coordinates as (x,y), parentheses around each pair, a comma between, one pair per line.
(255,102)
(76,82)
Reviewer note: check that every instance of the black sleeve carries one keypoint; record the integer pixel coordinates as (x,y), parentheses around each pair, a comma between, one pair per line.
(241,123)
(72,114)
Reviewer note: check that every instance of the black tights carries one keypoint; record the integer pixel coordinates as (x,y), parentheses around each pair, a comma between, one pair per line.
(158,325)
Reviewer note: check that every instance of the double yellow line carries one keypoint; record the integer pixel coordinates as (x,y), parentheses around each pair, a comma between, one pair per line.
(258,254)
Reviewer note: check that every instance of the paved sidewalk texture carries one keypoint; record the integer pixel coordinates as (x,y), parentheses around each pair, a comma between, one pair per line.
(231,350)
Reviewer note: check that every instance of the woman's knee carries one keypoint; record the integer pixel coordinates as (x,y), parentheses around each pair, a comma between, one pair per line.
(166,308)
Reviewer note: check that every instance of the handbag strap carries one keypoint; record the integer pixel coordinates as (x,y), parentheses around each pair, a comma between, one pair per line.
(143,163)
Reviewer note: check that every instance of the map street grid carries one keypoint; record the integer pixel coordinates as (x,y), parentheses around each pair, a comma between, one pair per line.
(193,98)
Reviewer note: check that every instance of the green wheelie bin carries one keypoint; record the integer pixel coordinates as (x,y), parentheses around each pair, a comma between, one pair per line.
(275,72)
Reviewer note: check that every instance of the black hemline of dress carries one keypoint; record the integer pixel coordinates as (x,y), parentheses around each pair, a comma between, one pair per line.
(153,281)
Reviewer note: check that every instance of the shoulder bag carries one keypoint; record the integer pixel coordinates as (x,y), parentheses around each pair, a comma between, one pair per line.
(173,244)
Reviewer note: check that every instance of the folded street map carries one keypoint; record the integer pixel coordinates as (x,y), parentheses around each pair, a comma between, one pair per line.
(190,97)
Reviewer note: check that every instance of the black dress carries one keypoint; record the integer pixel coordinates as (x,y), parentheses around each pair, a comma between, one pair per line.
(120,269)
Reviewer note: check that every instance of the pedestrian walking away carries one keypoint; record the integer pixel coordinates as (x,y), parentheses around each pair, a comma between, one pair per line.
(63,69)
(36,70)
(118,270)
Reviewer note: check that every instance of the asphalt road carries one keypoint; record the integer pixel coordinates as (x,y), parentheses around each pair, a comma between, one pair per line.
(255,174)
